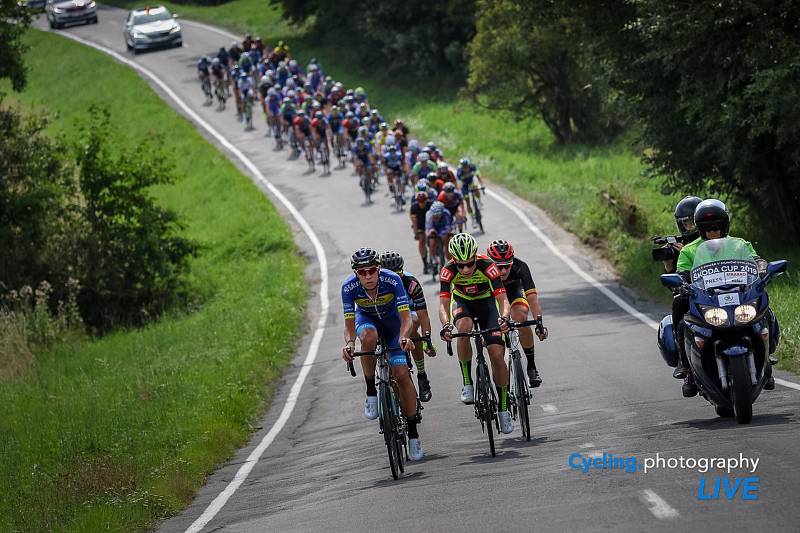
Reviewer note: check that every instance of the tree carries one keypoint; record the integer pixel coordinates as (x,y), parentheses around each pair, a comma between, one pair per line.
(530,58)
(14,22)
(715,86)
(132,259)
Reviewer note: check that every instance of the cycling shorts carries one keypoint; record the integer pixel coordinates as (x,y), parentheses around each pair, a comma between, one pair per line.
(515,294)
(388,329)
(483,310)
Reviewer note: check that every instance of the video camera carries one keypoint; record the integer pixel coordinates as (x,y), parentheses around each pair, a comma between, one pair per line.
(665,249)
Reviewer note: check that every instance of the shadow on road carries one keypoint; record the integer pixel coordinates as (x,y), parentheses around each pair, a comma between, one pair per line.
(713,423)
(486,458)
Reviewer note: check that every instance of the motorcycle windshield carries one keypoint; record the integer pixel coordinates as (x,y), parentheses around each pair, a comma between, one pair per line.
(723,263)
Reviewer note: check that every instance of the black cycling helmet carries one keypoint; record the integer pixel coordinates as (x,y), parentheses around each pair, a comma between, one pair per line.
(364,257)
(712,215)
(684,216)
(500,251)
(392,261)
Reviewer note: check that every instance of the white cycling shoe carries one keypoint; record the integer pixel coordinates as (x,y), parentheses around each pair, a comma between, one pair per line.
(415,449)
(371,407)
(506,423)
(468,394)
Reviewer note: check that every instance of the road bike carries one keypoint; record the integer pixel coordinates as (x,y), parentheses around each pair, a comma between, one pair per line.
(339,148)
(477,203)
(247,111)
(275,127)
(485,402)
(219,92)
(365,181)
(205,84)
(436,260)
(519,391)
(324,154)
(308,148)
(391,421)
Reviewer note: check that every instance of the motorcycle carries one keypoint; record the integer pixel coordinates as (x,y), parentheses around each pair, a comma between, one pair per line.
(729,330)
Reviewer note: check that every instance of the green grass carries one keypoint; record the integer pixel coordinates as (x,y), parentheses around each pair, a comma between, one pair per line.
(115,433)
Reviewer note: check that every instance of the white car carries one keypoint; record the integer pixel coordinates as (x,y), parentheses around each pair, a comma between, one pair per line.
(63,12)
(151,27)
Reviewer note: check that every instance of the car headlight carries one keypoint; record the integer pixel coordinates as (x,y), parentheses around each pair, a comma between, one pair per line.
(58,10)
(139,35)
(715,316)
(175,29)
(744,313)
(91,4)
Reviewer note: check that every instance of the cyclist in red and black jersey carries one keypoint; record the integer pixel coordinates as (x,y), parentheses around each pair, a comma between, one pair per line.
(521,292)
(471,289)
(419,316)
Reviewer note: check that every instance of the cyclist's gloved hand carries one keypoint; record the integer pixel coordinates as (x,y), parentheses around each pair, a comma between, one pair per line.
(445,332)
(503,322)
(541,330)
(406,344)
(347,351)
(428,347)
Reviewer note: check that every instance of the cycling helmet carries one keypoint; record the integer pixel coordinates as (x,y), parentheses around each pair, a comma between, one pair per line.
(464,162)
(431,146)
(362,129)
(272,92)
(413,144)
(437,208)
(500,251)
(360,140)
(364,257)
(313,68)
(392,261)
(712,215)
(334,111)
(390,140)
(287,100)
(264,80)
(290,83)
(349,114)
(359,91)
(391,146)
(424,156)
(449,187)
(441,166)
(316,105)
(463,246)
(270,73)
(349,92)
(292,63)
(301,112)
(318,114)
(215,61)
(290,93)
(384,126)
(422,185)
(684,216)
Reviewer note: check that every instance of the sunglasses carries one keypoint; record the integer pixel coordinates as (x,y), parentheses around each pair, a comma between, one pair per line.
(364,272)
(462,266)
(504,266)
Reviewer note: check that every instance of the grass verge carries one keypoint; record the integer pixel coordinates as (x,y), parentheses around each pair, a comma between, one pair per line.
(115,433)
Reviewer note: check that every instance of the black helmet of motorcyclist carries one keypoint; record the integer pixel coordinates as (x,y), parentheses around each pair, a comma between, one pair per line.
(712,215)
(684,218)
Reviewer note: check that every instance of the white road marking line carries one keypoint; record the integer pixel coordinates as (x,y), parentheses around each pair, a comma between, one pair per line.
(789,384)
(549,408)
(587,445)
(658,506)
(544,238)
(294,393)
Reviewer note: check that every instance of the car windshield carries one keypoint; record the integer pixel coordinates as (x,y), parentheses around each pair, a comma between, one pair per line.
(723,262)
(147,18)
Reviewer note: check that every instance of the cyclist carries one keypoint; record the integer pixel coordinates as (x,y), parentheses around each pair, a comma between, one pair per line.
(320,130)
(302,131)
(438,223)
(419,315)
(218,74)
(203,74)
(468,173)
(418,211)
(363,157)
(376,305)
(453,201)
(522,295)
(443,175)
(471,289)
(423,167)
(393,164)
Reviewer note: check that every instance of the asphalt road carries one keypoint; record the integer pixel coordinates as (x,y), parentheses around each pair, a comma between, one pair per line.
(605,389)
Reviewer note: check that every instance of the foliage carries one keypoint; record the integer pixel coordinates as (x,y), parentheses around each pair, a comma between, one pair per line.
(89,218)
(14,22)
(414,35)
(715,86)
(132,257)
(530,58)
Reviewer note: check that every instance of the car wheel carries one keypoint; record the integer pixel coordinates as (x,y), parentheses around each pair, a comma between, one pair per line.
(94,20)
(127,45)
(52,26)
(178,45)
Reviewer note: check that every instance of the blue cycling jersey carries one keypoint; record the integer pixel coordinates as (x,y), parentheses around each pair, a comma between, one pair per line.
(394,160)
(443,226)
(389,301)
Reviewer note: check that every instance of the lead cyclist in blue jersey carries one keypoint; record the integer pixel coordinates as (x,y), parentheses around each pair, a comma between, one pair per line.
(376,305)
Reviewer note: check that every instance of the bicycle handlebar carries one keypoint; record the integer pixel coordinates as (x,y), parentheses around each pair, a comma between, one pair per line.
(352,369)
(512,325)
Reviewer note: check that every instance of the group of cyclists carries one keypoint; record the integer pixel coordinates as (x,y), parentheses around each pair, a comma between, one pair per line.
(381,299)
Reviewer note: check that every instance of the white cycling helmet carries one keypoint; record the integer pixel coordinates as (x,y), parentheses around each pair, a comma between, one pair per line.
(424,156)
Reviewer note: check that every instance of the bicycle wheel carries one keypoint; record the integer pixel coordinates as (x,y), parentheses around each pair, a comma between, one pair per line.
(484,404)
(521,396)
(477,210)
(387,423)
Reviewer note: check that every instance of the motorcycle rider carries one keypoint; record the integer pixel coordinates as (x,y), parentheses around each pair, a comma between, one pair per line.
(713,221)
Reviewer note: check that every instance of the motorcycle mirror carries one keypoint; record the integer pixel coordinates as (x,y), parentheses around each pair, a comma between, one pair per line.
(777,267)
(671,280)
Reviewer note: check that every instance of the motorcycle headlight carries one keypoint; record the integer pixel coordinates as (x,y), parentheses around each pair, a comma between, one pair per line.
(715,316)
(744,313)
